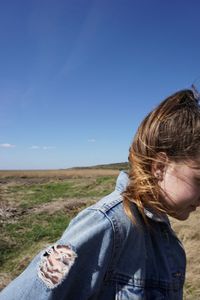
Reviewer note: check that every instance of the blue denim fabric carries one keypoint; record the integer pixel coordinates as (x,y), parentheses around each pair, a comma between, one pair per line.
(115,259)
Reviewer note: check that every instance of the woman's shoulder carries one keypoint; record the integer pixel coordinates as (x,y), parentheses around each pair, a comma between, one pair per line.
(107,214)
(111,206)
(108,208)
(109,202)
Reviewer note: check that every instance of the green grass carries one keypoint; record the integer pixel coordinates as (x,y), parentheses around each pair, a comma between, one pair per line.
(28,231)
(24,235)
(36,194)
(21,241)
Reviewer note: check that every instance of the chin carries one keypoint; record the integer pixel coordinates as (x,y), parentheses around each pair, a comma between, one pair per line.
(182,217)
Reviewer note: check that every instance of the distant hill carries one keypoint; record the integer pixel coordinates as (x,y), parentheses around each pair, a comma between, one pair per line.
(115,166)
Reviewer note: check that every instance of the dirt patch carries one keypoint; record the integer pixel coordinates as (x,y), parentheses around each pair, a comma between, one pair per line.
(10,214)
(5,279)
(11,181)
(68,205)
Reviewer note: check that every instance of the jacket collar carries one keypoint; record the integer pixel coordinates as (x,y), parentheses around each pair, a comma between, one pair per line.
(122,183)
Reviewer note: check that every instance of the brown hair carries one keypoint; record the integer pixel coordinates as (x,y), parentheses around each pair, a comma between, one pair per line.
(173,127)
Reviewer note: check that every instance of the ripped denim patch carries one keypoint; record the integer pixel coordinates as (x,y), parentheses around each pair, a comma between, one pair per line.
(55,264)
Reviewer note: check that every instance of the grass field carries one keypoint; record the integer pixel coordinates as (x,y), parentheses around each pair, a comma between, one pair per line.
(36,207)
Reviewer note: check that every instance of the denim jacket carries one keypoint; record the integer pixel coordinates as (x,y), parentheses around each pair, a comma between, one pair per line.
(103,256)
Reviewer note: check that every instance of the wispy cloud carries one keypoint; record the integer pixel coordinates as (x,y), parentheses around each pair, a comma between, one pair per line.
(48,147)
(42,147)
(91,140)
(34,147)
(7,146)
(81,47)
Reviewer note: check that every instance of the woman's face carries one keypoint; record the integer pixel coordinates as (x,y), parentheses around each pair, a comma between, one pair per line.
(180,185)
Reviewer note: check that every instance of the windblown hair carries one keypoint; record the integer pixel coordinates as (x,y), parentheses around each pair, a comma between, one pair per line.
(173,127)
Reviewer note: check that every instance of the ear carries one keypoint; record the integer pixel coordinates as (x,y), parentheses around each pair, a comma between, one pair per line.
(159,165)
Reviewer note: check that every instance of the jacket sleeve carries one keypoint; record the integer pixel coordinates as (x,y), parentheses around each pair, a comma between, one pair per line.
(72,268)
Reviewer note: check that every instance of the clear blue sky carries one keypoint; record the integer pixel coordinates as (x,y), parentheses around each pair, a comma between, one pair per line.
(78,76)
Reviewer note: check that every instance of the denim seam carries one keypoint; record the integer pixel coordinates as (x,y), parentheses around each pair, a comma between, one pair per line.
(145,283)
(117,240)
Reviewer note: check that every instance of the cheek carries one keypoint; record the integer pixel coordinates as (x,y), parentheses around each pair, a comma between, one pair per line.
(180,193)
(170,185)
(187,193)
(176,191)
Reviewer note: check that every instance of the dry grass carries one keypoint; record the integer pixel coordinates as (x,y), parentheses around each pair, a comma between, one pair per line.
(189,233)
(68,173)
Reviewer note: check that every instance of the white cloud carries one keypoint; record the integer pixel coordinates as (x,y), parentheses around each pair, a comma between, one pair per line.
(91,140)
(7,146)
(34,147)
(48,147)
(42,147)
